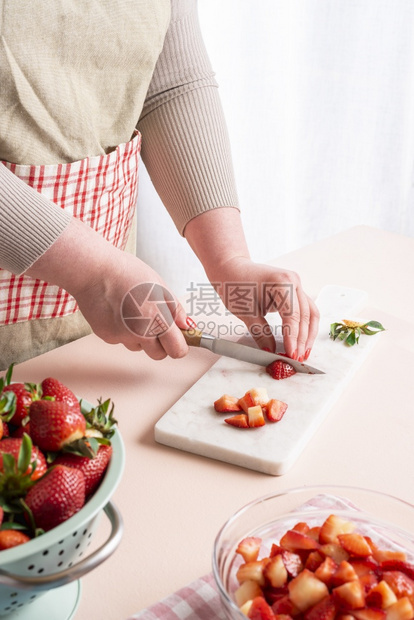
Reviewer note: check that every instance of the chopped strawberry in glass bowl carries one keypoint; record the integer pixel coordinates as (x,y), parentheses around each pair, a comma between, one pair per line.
(318,553)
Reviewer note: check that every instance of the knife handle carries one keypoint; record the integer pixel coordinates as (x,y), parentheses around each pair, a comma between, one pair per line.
(192,337)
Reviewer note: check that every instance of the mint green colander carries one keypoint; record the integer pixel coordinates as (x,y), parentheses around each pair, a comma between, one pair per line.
(59,557)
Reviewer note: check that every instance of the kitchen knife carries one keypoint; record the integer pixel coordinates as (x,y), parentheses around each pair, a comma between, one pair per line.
(228,348)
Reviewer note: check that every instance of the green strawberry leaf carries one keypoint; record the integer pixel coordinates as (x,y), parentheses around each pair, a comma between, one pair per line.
(351,339)
(343,335)
(11,525)
(7,405)
(375,325)
(25,454)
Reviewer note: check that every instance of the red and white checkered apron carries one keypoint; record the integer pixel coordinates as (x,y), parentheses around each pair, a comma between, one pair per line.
(102,192)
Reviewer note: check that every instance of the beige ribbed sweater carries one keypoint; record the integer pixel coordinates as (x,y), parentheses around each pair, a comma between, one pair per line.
(76,81)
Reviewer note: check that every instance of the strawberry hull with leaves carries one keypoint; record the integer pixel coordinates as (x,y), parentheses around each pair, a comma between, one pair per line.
(54,459)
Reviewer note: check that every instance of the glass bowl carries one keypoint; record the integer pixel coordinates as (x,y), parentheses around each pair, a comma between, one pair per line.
(389,521)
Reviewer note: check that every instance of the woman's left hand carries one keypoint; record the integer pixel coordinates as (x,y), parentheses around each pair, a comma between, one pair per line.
(251,290)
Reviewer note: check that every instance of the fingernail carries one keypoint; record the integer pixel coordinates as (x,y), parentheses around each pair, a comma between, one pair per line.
(307,353)
(300,359)
(191,323)
(266,349)
(294,354)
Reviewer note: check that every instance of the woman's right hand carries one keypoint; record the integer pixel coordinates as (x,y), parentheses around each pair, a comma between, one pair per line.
(122,298)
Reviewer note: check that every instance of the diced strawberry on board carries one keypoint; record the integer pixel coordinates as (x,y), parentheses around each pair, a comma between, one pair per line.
(275,410)
(227,404)
(255,416)
(240,420)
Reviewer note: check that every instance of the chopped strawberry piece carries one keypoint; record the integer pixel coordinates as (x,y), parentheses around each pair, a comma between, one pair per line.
(294,541)
(381,596)
(400,610)
(260,610)
(275,572)
(306,590)
(335,551)
(275,410)
(368,581)
(324,610)
(364,566)
(293,563)
(252,571)
(284,606)
(382,555)
(301,527)
(245,402)
(259,396)
(247,591)
(275,550)
(404,567)
(249,548)
(326,570)
(314,560)
(255,416)
(272,594)
(400,584)
(280,370)
(332,527)
(369,614)
(350,595)
(240,420)
(227,404)
(345,572)
(355,544)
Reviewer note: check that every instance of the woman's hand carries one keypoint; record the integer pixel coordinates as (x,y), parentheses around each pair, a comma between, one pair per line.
(121,297)
(250,290)
(217,238)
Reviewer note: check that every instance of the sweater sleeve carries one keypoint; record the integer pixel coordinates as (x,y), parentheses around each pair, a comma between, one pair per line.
(29,223)
(185,145)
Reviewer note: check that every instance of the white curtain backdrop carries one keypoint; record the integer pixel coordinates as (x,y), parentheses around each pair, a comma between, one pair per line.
(319,100)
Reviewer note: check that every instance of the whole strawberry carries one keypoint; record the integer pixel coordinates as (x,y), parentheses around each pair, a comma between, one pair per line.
(92,468)
(12,445)
(56,497)
(54,424)
(54,388)
(280,370)
(12,538)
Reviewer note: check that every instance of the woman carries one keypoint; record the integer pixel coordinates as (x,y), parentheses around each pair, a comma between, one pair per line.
(78,81)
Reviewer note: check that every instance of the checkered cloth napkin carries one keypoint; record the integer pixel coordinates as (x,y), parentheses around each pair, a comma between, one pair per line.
(200,600)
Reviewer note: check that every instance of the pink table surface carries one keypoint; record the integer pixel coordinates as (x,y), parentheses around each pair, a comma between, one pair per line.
(173,503)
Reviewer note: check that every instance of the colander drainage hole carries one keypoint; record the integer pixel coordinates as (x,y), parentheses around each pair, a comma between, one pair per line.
(13,594)
(61,552)
(31,567)
(40,570)
(45,552)
(74,534)
(77,546)
(84,532)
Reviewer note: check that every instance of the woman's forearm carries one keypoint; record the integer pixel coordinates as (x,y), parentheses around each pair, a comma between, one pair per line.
(217,237)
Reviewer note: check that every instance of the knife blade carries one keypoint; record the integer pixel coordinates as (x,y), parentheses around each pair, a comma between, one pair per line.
(235,350)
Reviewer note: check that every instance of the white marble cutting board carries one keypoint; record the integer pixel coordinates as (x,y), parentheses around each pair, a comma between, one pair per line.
(193,425)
